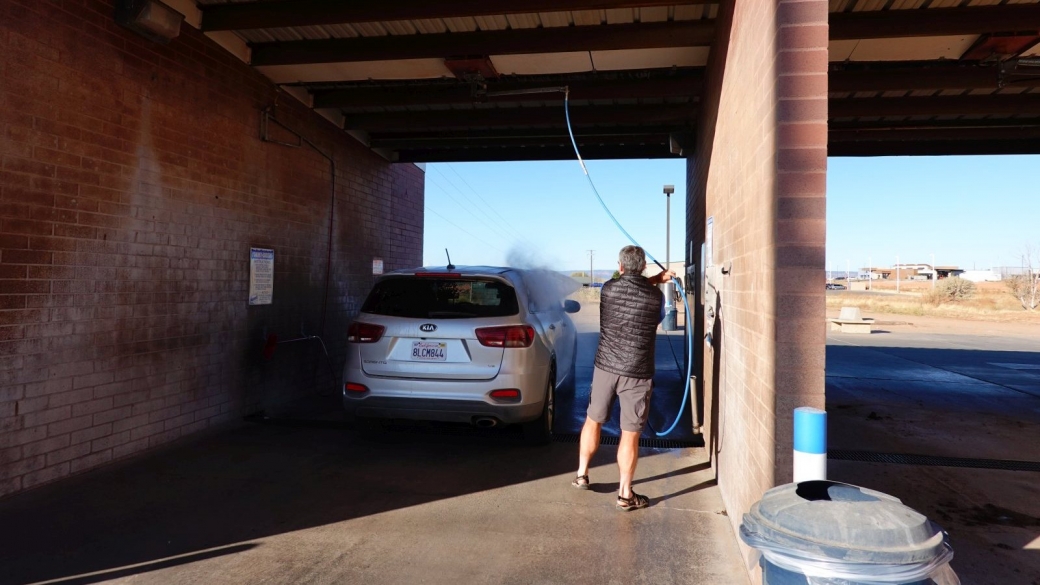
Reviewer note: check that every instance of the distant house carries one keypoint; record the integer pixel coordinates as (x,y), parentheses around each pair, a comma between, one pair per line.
(911,272)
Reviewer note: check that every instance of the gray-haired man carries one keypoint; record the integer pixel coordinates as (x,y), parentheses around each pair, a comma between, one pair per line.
(630,309)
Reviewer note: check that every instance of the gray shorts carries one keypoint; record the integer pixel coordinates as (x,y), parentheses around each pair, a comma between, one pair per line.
(633,392)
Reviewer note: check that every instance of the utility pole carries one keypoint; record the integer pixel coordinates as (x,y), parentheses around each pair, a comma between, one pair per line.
(870,273)
(592,279)
(897,274)
(846,272)
(935,273)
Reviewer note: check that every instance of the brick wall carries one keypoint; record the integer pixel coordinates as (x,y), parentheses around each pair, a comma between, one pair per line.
(759,170)
(132,185)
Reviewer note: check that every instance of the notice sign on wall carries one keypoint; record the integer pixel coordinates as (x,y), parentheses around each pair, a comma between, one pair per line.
(261,276)
(377,266)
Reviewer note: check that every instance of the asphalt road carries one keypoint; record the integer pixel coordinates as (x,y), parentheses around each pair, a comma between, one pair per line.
(971,397)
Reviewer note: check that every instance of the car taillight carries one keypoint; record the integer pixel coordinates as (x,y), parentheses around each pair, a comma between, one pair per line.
(364,333)
(355,388)
(505,394)
(509,336)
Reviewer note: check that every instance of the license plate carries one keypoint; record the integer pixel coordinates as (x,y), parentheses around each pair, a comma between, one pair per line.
(429,351)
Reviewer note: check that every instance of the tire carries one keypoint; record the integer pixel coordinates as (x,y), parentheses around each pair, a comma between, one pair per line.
(539,431)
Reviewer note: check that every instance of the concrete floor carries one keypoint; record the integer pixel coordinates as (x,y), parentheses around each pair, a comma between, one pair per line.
(316,503)
(952,395)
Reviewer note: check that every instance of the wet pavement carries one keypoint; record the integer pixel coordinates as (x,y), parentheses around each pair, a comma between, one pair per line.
(301,500)
(973,397)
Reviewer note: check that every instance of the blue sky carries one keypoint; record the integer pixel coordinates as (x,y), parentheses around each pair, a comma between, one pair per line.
(968,211)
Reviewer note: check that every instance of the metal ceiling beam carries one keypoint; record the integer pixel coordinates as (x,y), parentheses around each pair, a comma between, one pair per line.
(843,25)
(469,142)
(521,117)
(935,124)
(591,89)
(934,148)
(605,37)
(930,22)
(414,140)
(516,153)
(961,105)
(922,77)
(981,134)
(246,15)
(925,75)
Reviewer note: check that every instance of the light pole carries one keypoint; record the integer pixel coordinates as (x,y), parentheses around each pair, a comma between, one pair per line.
(897,274)
(846,271)
(870,273)
(668,190)
(592,279)
(669,292)
(935,273)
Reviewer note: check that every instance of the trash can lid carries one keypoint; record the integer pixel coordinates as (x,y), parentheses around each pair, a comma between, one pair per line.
(827,519)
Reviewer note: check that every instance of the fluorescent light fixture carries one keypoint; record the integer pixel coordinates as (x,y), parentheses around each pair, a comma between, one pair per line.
(151,19)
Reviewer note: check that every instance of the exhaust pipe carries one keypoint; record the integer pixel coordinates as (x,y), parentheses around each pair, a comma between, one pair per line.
(485,422)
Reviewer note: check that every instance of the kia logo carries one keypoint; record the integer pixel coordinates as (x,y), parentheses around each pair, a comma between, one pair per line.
(428,327)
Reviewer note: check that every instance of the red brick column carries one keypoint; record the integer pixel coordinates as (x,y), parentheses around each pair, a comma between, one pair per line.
(759,172)
(801,192)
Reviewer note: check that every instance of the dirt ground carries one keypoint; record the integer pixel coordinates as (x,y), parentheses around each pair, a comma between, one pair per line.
(901,323)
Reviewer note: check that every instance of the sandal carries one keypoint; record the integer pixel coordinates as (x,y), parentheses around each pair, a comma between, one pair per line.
(633,503)
(581,482)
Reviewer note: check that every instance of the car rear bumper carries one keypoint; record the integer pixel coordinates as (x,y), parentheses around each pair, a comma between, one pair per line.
(445,400)
(461,411)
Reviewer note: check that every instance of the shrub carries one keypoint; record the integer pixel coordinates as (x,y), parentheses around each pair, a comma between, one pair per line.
(952,290)
(1025,288)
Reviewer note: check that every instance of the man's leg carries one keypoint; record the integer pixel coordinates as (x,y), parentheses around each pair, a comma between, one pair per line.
(589,444)
(627,457)
(600,402)
(635,408)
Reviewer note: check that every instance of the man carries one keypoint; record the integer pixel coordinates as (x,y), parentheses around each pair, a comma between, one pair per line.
(631,307)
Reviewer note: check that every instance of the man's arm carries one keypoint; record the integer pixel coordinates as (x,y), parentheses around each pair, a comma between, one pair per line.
(660,277)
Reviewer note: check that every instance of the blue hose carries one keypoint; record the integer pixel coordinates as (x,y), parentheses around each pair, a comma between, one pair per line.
(678,284)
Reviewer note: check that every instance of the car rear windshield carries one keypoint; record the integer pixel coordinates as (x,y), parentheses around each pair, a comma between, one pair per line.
(441,298)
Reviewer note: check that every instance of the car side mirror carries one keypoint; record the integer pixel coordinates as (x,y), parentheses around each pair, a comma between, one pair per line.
(570,306)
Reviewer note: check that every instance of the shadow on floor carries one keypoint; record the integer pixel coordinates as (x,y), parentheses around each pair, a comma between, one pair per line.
(245,484)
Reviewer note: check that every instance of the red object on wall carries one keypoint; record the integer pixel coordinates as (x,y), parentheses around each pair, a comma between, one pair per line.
(469,67)
(270,346)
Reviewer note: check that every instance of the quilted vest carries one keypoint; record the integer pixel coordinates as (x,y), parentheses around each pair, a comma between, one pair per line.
(630,309)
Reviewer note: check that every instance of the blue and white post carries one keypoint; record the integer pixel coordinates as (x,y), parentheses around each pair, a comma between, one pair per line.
(810,444)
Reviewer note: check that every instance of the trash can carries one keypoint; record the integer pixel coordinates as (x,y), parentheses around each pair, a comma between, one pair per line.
(830,533)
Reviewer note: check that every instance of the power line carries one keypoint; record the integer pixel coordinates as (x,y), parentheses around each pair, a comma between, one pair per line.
(463,230)
(477,193)
(503,223)
(592,279)
(457,202)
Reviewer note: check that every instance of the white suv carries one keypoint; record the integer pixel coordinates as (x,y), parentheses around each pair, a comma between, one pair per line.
(481,345)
